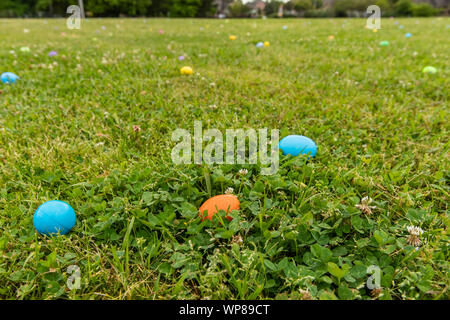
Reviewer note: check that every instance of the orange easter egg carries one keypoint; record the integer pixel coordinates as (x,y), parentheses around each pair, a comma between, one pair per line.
(225,202)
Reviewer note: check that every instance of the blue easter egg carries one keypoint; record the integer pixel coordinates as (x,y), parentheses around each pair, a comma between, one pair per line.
(295,145)
(9,77)
(54,216)
(260,45)
(408,35)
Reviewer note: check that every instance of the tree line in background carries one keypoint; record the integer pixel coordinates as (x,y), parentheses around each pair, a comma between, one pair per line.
(109,8)
(222,8)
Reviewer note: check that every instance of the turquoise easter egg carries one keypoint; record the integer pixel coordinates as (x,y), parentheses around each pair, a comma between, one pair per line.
(295,145)
(429,69)
(53,217)
(9,77)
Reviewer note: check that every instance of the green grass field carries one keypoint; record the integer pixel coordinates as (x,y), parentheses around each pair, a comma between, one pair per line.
(92,127)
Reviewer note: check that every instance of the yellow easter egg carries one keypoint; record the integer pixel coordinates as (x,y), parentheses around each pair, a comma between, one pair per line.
(266,43)
(186,70)
(232,37)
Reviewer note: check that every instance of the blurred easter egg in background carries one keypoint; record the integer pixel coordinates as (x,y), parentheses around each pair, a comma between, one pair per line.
(9,77)
(429,69)
(186,70)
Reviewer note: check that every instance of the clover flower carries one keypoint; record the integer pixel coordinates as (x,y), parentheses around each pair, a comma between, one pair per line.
(364,206)
(414,240)
(237,239)
(414,236)
(305,295)
(374,293)
(229,190)
(243,172)
(416,231)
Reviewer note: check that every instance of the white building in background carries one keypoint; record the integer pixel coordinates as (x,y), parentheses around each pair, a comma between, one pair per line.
(221,6)
(258,6)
